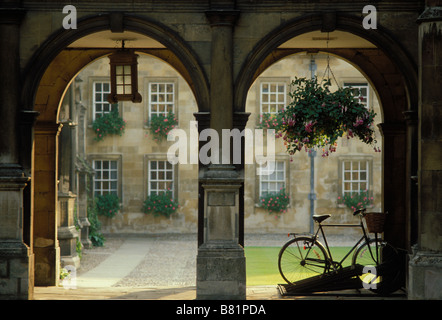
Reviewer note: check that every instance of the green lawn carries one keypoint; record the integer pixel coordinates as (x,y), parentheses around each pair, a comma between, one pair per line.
(262,264)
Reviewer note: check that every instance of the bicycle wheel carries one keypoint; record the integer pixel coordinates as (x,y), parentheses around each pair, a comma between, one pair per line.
(302,258)
(381,271)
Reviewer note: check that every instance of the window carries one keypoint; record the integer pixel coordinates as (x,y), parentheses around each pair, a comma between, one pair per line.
(355,176)
(160,177)
(273,97)
(106,177)
(161,98)
(124,79)
(100,103)
(360,90)
(274,182)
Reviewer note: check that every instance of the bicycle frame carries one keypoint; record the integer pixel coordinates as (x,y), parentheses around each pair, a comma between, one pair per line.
(364,237)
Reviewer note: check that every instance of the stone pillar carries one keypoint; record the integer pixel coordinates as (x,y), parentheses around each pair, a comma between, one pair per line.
(411,119)
(46,248)
(425,266)
(221,272)
(16,281)
(67,232)
(82,168)
(394,182)
(221,261)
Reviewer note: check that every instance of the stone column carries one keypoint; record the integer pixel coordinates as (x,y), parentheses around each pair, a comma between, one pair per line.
(394,189)
(425,266)
(82,168)
(16,281)
(46,248)
(394,182)
(411,119)
(67,232)
(220,261)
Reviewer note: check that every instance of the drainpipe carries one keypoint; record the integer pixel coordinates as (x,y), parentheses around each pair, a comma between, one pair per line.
(312,155)
(312,194)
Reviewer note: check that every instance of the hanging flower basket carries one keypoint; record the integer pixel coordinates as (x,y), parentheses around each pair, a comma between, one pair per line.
(316,118)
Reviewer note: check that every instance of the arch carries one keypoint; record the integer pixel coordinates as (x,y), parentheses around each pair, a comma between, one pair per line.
(178,54)
(392,73)
(369,62)
(46,77)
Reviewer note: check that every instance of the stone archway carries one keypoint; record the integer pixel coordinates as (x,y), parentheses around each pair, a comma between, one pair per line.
(48,75)
(393,74)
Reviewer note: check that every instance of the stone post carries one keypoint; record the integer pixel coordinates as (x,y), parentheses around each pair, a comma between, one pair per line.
(16,279)
(220,261)
(425,266)
(46,248)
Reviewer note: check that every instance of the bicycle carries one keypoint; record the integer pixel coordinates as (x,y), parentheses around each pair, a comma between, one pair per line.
(305,257)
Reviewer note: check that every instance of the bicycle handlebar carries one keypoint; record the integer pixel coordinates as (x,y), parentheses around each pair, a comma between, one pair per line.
(359,211)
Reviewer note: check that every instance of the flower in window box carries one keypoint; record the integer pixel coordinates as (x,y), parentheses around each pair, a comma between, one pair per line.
(275,203)
(161,125)
(161,204)
(270,121)
(356,200)
(108,123)
(107,205)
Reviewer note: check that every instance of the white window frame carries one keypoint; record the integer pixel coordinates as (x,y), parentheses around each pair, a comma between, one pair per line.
(169,98)
(113,176)
(266,106)
(359,86)
(352,176)
(154,176)
(277,178)
(103,99)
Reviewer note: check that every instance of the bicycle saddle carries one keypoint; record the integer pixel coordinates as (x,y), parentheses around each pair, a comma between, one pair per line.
(321,217)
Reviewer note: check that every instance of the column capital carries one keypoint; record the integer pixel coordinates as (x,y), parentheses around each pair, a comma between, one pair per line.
(430,14)
(203,119)
(12,15)
(13,174)
(222,17)
(240,119)
(391,129)
(48,128)
(411,117)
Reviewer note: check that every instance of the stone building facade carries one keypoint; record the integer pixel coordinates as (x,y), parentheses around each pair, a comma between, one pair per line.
(220,48)
(132,153)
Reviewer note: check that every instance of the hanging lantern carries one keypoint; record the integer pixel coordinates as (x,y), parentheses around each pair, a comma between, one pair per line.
(124,76)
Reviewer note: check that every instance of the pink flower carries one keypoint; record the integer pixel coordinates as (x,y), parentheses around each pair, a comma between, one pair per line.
(309,126)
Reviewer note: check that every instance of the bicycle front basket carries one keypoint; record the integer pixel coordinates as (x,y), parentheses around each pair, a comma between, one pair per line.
(375,221)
